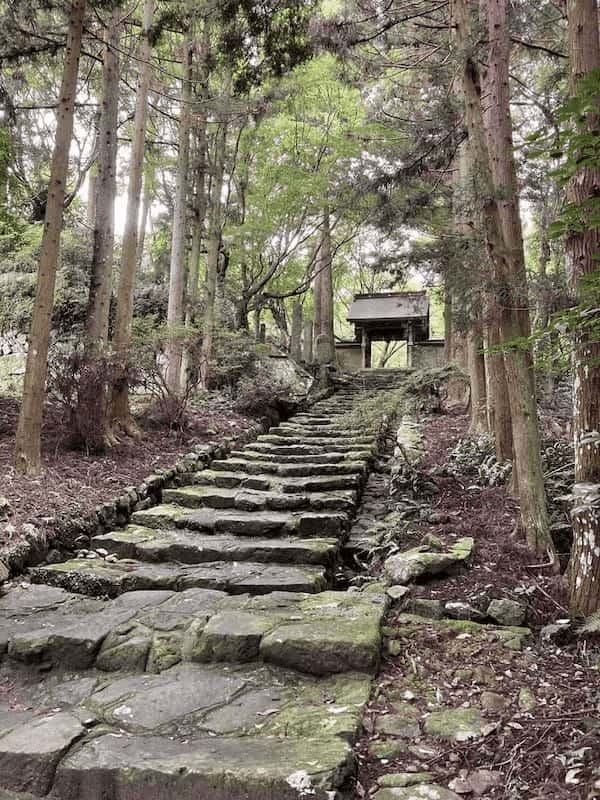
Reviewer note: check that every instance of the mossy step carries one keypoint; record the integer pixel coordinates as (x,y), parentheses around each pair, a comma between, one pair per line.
(243,523)
(255,500)
(289,470)
(194,731)
(290,446)
(319,483)
(319,634)
(146,544)
(324,457)
(308,435)
(97,577)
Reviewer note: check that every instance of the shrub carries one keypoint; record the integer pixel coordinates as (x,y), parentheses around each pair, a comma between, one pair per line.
(80,383)
(259,393)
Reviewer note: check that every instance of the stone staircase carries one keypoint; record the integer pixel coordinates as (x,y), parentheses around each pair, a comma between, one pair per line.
(203,651)
(375,379)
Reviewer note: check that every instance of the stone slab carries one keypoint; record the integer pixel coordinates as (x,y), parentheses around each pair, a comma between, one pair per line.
(98,577)
(324,483)
(230,732)
(254,500)
(148,544)
(243,523)
(290,470)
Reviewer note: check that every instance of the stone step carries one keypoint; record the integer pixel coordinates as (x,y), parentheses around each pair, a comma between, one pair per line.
(248,732)
(244,523)
(311,458)
(188,547)
(97,577)
(314,444)
(306,434)
(289,470)
(320,634)
(253,500)
(322,483)
(290,447)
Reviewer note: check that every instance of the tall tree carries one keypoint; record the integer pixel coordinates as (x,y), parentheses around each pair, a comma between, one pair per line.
(28,439)
(98,312)
(178,240)
(120,411)
(494,163)
(583,252)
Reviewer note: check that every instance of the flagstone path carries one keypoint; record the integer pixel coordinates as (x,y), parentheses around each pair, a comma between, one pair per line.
(203,651)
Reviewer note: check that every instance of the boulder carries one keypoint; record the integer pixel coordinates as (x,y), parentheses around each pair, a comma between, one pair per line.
(421,562)
(507,612)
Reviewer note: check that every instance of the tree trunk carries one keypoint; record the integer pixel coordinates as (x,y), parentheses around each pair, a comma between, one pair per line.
(28,438)
(215,214)
(500,422)
(326,293)
(307,341)
(147,198)
(583,247)
(494,166)
(174,347)
(120,411)
(98,309)
(514,320)
(478,382)
(296,337)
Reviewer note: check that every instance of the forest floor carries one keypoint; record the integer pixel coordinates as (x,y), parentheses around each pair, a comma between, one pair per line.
(75,482)
(517,718)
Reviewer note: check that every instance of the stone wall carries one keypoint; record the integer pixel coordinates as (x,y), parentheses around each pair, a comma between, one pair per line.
(427,355)
(349,356)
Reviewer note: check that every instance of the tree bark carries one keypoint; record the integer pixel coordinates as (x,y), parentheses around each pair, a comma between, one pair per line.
(583,247)
(28,437)
(326,294)
(499,418)
(213,245)
(478,382)
(120,411)
(296,337)
(495,167)
(174,347)
(147,198)
(98,309)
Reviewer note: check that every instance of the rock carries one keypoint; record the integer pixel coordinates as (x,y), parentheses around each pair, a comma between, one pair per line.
(484,675)
(459,610)
(402,779)
(464,675)
(394,647)
(397,593)
(389,749)
(478,782)
(460,724)
(559,633)
(432,609)
(433,542)
(421,562)
(506,612)
(492,701)
(423,791)
(30,752)
(526,701)
(403,723)
(438,518)
(54,556)
(4,572)
(5,508)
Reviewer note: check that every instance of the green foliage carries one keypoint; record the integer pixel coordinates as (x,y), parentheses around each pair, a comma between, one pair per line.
(576,146)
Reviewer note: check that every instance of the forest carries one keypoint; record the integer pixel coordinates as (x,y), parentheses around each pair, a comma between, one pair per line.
(194,192)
